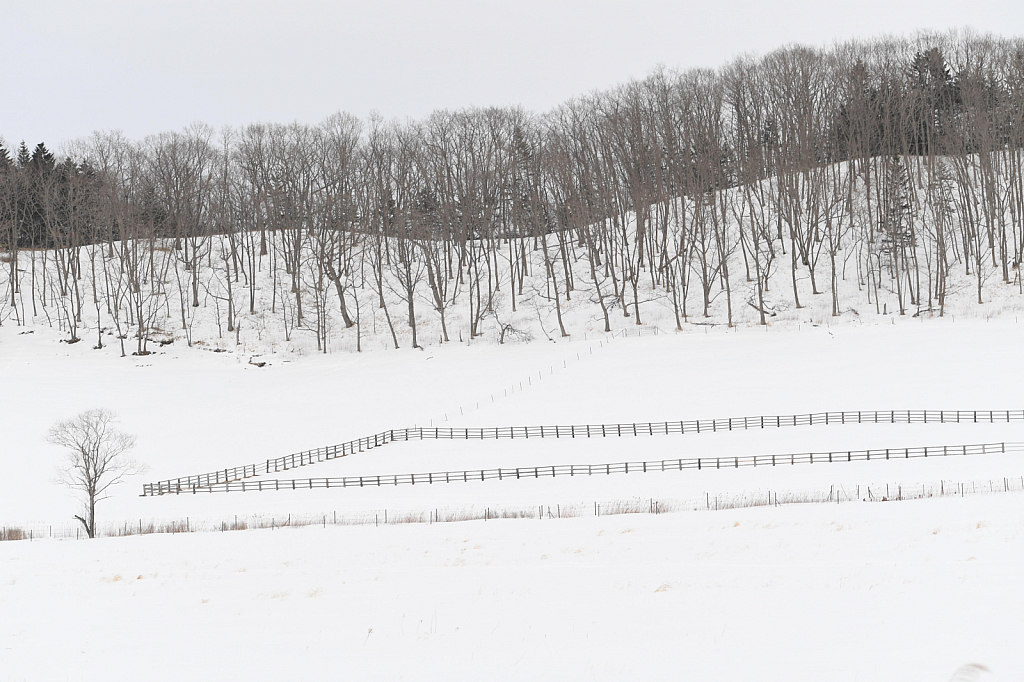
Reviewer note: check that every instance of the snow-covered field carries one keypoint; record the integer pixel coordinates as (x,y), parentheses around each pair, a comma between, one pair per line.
(908,592)
(901,591)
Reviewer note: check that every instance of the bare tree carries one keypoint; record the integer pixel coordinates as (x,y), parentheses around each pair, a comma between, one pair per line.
(900,157)
(97,458)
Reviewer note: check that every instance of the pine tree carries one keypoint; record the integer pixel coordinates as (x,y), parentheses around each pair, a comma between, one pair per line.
(939,95)
(898,227)
(34,166)
(42,159)
(24,158)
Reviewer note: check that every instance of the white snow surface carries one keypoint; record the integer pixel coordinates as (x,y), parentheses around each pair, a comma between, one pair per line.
(905,591)
(912,590)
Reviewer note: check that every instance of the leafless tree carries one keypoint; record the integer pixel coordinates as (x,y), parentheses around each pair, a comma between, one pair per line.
(96,459)
(902,158)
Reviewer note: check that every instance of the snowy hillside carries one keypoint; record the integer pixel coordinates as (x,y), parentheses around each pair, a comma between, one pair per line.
(871,570)
(733,258)
(204,397)
(713,375)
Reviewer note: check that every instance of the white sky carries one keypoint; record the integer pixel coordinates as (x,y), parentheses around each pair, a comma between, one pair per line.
(143,66)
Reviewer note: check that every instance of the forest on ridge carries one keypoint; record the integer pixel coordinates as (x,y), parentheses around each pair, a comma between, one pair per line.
(885,176)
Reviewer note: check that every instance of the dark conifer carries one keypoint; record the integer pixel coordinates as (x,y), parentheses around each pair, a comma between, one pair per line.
(23,155)
(42,159)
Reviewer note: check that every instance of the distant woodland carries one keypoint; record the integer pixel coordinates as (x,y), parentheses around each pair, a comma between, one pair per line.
(894,165)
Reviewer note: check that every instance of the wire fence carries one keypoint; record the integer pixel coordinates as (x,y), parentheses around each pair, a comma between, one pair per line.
(636,332)
(836,494)
(661,465)
(195,483)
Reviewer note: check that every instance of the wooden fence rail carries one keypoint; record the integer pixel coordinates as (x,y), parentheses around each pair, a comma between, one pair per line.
(697,463)
(307,457)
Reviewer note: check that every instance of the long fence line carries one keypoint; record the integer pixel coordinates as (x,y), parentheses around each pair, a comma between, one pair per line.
(836,494)
(189,484)
(307,457)
(698,463)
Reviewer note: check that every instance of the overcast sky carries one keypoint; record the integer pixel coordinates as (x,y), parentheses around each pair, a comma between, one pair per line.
(144,66)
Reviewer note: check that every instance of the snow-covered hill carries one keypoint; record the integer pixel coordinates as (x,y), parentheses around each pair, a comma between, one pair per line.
(698,264)
(791,592)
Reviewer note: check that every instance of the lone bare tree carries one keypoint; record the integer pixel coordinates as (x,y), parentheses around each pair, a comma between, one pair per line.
(97,458)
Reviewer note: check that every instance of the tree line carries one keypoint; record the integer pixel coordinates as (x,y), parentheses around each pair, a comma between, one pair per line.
(892,161)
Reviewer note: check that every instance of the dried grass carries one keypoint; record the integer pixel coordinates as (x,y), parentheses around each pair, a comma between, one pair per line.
(13,534)
(835,495)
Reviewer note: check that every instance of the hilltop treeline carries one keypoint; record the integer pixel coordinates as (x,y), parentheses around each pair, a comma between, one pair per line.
(897,159)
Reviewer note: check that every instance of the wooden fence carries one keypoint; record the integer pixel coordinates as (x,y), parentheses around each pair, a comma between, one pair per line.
(697,463)
(307,457)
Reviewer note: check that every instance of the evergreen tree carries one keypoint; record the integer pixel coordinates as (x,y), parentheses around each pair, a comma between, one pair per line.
(898,227)
(42,160)
(938,97)
(35,170)
(23,156)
